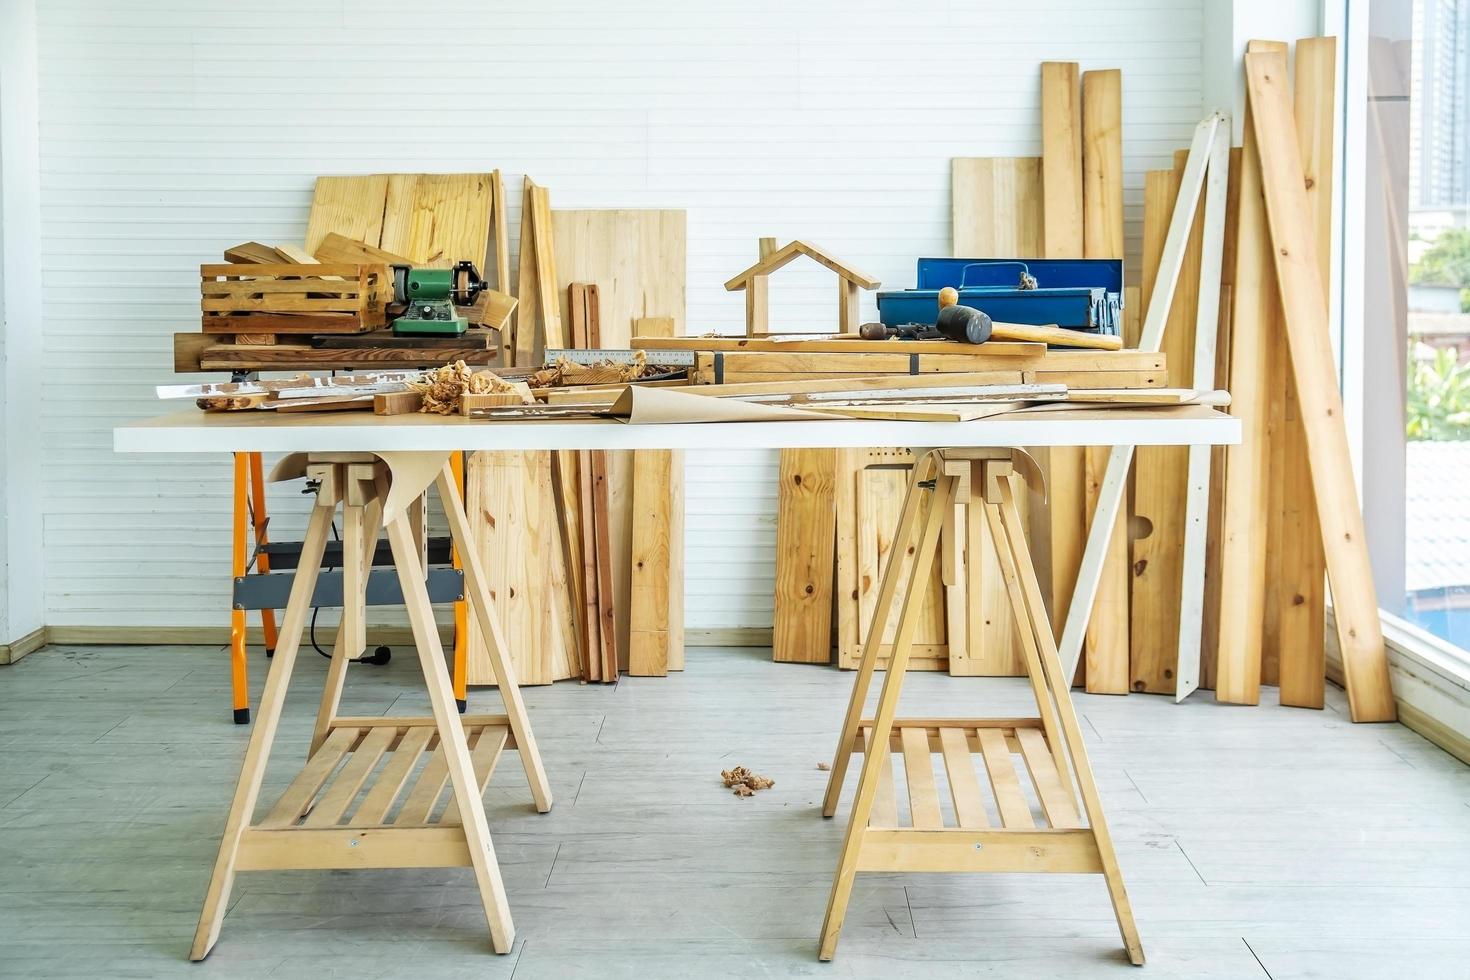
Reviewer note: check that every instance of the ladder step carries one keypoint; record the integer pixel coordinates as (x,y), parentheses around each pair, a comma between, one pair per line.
(311,778)
(1015,812)
(963,786)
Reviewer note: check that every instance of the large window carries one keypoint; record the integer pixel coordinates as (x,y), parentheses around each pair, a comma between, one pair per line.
(1436,585)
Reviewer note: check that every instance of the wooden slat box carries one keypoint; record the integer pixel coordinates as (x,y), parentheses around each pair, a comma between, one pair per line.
(245,298)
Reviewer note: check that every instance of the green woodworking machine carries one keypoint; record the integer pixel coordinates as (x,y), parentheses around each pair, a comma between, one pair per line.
(429,298)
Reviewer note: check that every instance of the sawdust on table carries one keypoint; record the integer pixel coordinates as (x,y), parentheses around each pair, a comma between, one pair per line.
(744,782)
(443,387)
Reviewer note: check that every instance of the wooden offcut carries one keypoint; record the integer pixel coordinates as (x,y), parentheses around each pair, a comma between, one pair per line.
(806,525)
(1304,309)
(656,616)
(996,207)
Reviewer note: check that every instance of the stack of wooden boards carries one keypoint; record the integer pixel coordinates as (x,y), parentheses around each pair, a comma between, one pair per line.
(1262,620)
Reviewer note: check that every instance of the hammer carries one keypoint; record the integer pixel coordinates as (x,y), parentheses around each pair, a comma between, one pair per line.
(967,325)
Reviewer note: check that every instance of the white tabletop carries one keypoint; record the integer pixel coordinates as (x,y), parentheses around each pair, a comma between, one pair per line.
(193,431)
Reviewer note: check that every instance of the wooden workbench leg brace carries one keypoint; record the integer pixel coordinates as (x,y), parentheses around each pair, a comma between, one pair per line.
(309,827)
(874,840)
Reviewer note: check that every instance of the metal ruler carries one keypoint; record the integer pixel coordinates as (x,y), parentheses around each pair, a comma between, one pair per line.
(593,356)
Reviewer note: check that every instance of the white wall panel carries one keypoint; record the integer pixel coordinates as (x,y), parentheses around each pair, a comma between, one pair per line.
(171,128)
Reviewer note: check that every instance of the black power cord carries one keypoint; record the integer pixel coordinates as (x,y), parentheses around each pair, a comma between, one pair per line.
(381,655)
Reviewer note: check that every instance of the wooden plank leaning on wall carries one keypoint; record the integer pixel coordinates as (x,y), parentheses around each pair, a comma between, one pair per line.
(1304,308)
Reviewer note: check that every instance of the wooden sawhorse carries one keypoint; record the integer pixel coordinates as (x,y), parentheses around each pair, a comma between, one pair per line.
(248,515)
(875,841)
(315,824)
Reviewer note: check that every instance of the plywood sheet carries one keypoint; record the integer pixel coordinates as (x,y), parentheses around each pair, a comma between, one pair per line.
(438,219)
(350,206)
(996,207)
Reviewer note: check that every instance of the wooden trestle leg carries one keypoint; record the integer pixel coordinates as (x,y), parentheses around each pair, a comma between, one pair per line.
(355,813)
(1006,835)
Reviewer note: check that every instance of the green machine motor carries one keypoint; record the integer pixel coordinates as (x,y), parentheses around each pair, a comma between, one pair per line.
(430,297)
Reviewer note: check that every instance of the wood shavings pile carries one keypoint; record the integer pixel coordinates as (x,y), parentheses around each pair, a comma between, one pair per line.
(443,387)
(744,782)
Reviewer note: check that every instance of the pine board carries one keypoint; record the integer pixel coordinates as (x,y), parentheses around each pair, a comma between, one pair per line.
(996,207)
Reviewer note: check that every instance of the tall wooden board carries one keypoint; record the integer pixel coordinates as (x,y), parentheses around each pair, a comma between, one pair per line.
(996,207)
(1254,322)
(1061,160)
(1295,599)
(806,525)
(1106,643)
(1304,308)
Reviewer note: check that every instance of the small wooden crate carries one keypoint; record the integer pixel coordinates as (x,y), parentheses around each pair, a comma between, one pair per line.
(245,298)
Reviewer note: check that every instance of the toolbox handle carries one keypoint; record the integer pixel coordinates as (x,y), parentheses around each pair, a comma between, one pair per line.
(1027,280)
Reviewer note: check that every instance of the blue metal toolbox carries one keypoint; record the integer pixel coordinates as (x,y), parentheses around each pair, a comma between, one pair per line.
(1080,294)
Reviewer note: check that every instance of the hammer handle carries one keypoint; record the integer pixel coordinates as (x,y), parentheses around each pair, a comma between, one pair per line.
(1059,336)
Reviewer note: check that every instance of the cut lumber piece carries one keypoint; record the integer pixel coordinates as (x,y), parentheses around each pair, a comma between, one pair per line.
(1106,641)
(256,254)
(1102,163)
(1160,472)
(656,626)
(398,402)
(349,206)
(606,613)
(499,214)
(1295,603)
(1304,308)
(997,206)
(492,309)
(437,220)
(297,254)
(1061,160)
(806,525)
(528,287)
(341,249)
(1244,526)
(548,294)
(827,344)
(501,487)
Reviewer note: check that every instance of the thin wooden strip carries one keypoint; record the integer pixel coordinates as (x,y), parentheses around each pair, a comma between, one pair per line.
(309,780)
(419,806)
(919,774)
(885,801)
(489,743)
(1056,801)
(1298,280)
(385,789)
(334,802)
(1015,812)
(964,787)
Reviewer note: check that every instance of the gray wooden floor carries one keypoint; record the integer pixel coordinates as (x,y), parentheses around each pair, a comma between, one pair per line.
(1256,841)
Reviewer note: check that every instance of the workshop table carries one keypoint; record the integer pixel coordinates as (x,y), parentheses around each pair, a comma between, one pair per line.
(374,465)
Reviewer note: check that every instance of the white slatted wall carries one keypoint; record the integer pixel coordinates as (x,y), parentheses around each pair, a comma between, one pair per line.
(171,128)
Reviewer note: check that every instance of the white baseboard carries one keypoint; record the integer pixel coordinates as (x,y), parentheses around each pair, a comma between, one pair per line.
(1431,682)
